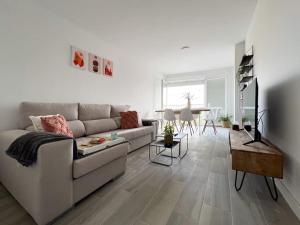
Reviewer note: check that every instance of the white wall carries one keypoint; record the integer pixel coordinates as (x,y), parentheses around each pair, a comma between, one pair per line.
(216,92)
(275,36)
(35,64)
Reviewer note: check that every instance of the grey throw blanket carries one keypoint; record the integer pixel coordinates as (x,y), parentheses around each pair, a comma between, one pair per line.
(25,148)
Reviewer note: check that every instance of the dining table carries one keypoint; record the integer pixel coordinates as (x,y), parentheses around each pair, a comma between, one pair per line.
(195,111)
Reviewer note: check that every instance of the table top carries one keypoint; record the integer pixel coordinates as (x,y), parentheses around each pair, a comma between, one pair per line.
(238,138)
(84,147)
(161,143)
(175,136)
(194,110)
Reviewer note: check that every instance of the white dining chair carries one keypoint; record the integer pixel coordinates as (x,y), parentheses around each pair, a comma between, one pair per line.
(160,118)
(170,117)
(211,117)
(186,116)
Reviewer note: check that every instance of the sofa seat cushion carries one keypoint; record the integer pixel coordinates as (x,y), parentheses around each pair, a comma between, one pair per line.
(96,160)
(129,134)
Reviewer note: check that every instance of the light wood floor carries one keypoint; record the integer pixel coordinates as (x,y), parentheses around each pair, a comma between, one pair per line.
(196,190)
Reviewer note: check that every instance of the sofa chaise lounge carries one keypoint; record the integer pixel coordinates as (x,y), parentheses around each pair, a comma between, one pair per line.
(56,181)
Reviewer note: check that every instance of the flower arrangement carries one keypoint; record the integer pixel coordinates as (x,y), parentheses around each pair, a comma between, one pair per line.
(188,96)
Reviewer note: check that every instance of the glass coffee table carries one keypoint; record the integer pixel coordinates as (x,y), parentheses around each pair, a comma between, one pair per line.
(160,148)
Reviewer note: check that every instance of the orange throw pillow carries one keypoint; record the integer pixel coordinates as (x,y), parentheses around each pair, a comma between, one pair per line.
(56,124)
(129,120)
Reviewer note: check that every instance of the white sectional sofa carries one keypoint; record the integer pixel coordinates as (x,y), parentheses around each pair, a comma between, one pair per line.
(57,181)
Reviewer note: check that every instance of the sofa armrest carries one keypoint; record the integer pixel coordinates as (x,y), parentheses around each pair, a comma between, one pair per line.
(148,122)
(44,189)
(154,123)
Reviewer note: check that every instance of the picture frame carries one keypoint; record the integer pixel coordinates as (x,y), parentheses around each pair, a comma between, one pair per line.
(107,67)
(95,63)
(78,58)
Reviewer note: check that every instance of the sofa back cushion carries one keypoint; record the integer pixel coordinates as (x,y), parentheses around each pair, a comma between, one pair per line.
(118,121)
(94,111)
(99,126)
(77,127)
(68,110)
(116,109)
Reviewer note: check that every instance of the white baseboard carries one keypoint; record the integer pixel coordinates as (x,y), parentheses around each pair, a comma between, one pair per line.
(287,195)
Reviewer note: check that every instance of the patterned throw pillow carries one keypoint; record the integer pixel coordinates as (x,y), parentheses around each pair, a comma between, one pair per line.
(37,123)
(56,124)
(129,120)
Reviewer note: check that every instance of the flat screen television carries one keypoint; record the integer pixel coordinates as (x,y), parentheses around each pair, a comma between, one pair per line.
(250,111)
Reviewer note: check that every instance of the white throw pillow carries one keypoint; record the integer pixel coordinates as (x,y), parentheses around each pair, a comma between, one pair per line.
(37,123)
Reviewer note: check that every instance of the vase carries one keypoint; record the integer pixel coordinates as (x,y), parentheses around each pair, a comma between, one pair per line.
(188,105)
(168,140)
(226,124)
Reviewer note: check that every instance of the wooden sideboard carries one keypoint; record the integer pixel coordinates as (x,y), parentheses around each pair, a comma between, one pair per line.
(255,158)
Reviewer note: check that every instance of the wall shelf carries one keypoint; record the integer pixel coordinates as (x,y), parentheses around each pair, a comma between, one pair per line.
(245,69)
(246,79)
(246,60)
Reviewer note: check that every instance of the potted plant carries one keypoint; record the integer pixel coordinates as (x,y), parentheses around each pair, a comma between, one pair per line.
(168,135)
(244,120)
(246,123)
(225,121)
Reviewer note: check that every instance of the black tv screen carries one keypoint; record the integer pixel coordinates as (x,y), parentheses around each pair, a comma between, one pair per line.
(249,108)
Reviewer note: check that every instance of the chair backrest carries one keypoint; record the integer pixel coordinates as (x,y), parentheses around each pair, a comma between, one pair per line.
(169,115)
(186,115)
(214,114)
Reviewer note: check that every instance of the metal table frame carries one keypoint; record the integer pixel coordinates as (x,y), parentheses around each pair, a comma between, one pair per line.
(159,149)
(179,137)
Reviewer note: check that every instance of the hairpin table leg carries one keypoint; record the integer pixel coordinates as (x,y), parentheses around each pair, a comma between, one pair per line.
(275,188)
(241,184)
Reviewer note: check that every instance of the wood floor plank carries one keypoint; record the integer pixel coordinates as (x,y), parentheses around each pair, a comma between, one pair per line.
(163,203)
(129,211)
(103,213)
(217,191)
(245,208)
(214,216)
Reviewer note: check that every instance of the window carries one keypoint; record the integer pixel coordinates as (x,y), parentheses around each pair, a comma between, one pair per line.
(174,95)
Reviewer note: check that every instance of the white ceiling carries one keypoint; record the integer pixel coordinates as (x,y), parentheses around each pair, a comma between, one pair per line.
(154,30)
